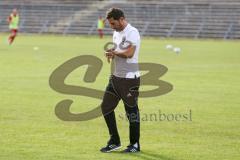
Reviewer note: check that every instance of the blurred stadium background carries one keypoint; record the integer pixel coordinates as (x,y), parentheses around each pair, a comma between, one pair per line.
(162,18)
(205,76)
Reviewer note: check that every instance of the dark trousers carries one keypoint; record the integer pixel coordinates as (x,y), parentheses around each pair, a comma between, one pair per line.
(126,90)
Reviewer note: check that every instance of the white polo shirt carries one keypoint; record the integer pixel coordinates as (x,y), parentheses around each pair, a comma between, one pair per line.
(127,67)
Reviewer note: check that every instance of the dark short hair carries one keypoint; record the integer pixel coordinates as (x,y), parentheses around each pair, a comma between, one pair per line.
(114,13)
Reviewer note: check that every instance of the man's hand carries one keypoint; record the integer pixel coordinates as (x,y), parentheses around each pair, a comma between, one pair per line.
(110,55)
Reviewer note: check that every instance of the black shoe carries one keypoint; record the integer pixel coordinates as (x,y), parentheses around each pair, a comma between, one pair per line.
(132,148)
(110,148)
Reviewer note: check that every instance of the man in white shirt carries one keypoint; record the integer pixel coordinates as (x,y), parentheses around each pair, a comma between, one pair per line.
(124,82)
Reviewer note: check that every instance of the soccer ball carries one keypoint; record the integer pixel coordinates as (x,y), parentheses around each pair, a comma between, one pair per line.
(169,46)
(177,50)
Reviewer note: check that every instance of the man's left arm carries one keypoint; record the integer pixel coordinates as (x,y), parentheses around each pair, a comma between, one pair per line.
(128,53)
(9,19)
(133,40)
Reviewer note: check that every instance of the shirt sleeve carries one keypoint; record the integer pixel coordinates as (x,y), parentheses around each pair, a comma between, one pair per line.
(133,37)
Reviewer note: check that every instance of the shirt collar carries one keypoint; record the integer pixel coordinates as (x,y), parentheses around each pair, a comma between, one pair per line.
(126,28)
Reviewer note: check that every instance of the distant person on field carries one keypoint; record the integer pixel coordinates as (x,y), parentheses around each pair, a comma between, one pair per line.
(100,26)
(13,21)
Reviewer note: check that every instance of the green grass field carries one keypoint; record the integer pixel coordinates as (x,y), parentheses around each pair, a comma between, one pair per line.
(205,76)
